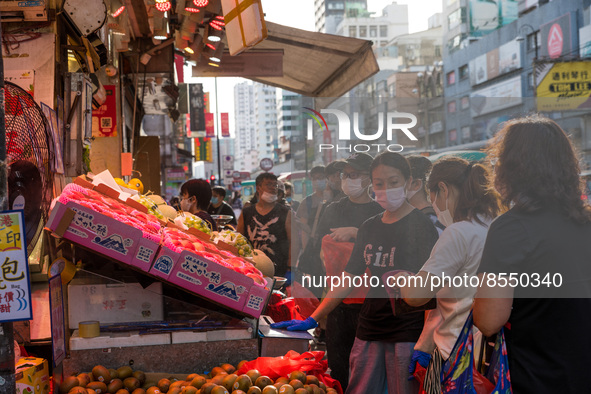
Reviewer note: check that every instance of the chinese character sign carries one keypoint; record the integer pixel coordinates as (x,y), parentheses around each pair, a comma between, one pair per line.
(225,123)
(203,149)
(15,286)
(209,125)
(196,107)
(104,119)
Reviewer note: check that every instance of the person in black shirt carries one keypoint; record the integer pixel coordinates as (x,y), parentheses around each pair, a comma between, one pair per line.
(267,224)
(547,231)
(401,238)
(195,197)
(218,206)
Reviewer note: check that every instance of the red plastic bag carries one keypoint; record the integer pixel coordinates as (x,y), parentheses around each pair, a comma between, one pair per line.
(311,363)
(286,309)
(304,299)
(336,256)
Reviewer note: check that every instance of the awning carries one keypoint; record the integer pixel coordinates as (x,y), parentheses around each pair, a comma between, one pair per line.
(314,64)
(318,64)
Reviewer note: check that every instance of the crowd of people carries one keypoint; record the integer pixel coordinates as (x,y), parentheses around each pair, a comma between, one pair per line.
(522,212)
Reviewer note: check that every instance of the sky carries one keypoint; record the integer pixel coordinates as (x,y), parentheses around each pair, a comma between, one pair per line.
(300,14)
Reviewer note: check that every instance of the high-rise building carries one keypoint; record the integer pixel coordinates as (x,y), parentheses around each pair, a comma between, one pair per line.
(329,13)
(291,125)
(245,141)
(265,120)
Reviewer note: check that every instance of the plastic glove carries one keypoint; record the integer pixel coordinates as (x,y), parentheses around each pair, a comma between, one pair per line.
(418,357)
(297,325)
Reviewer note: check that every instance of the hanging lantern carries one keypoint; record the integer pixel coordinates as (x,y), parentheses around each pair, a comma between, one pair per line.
(201,3)
(163,7)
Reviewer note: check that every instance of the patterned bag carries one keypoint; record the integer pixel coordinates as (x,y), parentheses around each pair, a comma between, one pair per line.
(458,375)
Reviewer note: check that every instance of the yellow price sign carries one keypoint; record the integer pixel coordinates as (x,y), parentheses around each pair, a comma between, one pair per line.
(10,232)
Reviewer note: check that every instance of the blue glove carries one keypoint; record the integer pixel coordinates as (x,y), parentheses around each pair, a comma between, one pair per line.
(297,325)
(418,357)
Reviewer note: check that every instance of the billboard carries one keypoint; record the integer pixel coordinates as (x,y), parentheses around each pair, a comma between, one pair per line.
(563,86)
(585,41)
(489,15)
(557,39)
(499,61)
(499,96)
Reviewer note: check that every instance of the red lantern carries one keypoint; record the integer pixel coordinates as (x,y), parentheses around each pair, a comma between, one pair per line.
(163,7)
(201,3)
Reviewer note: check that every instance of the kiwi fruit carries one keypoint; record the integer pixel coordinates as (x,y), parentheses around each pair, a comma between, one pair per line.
(154,390)
(309,389)
(198,381)
(311,379)
(99,387)
(123,391)
(131,383)
(147,385)
(229,368)
(242,383)
(178,383)
(77,390)
(124,372)
(219,390)
(189,390)
(207,388)
(175,390)
(139,375)
(101,374)
(219,378)
(138,391)
(238,392)
(217,370)
(229,380)
(114,385)
(270,390)
(296,384)
(164,385)
(322,386)
(191,377)
(301,391)
(253,374)
(90,391)
(84,379)
(299,375)
(263,381)
(286,389)
(114,374)
(254,390)
(240,364)
(278,385)
(69,383)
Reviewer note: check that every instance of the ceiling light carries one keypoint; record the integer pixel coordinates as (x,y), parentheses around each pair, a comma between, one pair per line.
(213,34)
(217,55)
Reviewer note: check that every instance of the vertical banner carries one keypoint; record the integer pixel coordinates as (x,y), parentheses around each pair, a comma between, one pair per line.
(209,125)
(188,126)
(104,119)
(196,107)
(225,124)
(15,286)
(203,149)
(206,101)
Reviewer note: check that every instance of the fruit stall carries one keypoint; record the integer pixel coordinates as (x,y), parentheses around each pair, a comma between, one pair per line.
(155,292)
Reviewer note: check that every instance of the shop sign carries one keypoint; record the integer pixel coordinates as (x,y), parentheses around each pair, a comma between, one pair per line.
(15,286)
(58,328)
(196,107)
(104,119)
(499,96)
(203,149)
(176,174)
(564,86)
(209,125)
(556,38)
(225,124)
(585,41)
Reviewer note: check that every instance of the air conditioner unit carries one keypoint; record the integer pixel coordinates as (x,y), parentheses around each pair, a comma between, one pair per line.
(23,11)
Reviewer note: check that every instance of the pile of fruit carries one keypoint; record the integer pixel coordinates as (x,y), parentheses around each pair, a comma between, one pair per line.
(235,239)
(221,380)
(187,220)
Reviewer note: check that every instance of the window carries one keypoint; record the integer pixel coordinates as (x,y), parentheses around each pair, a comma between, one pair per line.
(373,31)
(466,133)
(384,31)
(352,31)
(465,102)
(454,19)
(451,107)
(451,78)
(453,135)
(531,40)
(362,31)
(463,72)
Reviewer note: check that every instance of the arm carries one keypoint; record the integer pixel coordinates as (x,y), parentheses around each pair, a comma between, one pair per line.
(331,301)
(418,295)
(344,234)
(492,307)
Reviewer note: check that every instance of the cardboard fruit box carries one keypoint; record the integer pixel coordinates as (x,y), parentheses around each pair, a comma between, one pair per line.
(32,376)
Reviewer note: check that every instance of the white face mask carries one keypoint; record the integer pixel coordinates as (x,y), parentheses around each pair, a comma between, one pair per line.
(411,193)
(186,204)
(443,216)
(269,198)
(391,199)
(319,185)
(352,187)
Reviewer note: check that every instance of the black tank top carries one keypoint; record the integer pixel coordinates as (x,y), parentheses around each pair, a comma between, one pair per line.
(268,234)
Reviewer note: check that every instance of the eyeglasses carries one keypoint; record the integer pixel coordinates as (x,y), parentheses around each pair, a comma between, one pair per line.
(353,175)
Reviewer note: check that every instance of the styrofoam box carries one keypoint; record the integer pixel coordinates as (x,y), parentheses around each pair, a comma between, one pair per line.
(113,303)
(118,339)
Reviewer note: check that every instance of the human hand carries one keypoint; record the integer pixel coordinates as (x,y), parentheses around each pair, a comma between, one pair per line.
(296,324)
(343,234)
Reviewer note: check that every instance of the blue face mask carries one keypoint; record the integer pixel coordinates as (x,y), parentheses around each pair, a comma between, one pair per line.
(288,199)
(215,200)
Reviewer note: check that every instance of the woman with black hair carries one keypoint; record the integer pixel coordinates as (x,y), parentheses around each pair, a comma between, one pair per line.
(400,238)
(542,246)
(195,197)
(466,204)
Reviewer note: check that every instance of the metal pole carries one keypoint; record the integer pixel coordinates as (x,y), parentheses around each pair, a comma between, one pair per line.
(7,377)
(217,132)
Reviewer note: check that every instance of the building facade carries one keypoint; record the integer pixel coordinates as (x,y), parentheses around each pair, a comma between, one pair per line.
(245,140)
(329,13)
(265,120)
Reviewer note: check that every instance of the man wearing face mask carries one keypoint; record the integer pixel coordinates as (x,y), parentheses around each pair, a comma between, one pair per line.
(308,212)
(218,206)
(267,224)
(195,197)
(340,221)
